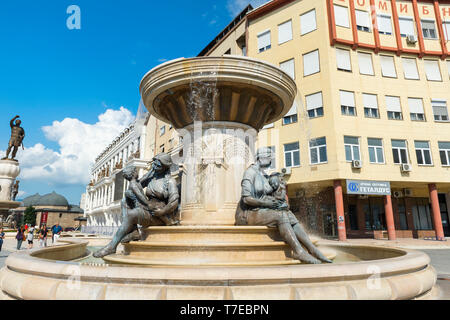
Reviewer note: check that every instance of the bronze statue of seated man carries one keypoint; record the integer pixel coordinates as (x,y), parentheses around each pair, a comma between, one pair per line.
(261,205)
(154,207)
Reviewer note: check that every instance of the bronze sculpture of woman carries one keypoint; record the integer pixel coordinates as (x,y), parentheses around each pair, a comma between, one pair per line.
(155,207)
(257,208)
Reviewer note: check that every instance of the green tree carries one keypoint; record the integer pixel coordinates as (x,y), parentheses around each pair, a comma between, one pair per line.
(30,216)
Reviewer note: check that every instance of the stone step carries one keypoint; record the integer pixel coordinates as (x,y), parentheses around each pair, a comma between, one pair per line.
(212,234)
(210,252)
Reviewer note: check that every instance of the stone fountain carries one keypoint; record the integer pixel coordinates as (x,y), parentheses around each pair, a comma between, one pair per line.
(218,105)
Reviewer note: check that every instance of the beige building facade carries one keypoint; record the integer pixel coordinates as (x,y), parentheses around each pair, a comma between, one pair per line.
(374,92)
(134,146)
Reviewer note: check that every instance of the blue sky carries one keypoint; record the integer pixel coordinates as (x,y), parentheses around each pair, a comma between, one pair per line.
(69,85)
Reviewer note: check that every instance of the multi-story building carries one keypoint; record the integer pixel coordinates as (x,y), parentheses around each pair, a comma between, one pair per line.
(366,146)
(134,146)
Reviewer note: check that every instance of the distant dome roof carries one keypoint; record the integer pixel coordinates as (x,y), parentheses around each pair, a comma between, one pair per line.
(31,200)
(53,200)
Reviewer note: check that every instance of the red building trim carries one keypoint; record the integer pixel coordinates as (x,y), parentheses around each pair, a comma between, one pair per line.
(331,22)
(354,25)
(437,11)
(396,27)
(376,33)
(267,8)
(419,28)
(421,52)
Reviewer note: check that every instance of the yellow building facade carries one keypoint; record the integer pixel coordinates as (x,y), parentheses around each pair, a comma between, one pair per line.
(374,92)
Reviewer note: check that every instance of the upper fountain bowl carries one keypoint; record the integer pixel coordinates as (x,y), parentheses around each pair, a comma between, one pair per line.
(230,88)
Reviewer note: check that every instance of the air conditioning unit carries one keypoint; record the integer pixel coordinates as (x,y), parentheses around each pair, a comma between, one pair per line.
(356,164)
(398,194)
(411,39)
(286,171)
(408,192)
(406,168)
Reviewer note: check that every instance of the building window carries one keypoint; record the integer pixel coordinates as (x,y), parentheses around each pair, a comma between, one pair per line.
(308,22)
(285,32)
(314,105)
(341,16)
(416,109)
(423,153)
(348,107)
(444,151)
(343,60)
(406,26)
(162,130)
(273,160)
(400,152)
(289,67)
(370,106)
(432,70)
(292,155)
(446,27)
(290,119)
(422,215)
(264,41)
(363,20)
(429,29)
(410,68)
(394,108)
(318,150)
(161,148)
(291,116)
(388,66)
(401,209)
(352,150)
(384,24)
(376,150)
(365,63)
(311,63)
(440,110)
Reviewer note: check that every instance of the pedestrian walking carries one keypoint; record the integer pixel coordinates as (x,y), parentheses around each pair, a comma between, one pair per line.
(43,237)
(30,236)
(56,233)
(20,236)
(2,237)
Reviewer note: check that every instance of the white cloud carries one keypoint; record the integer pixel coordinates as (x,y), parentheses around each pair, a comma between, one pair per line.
(236,6)
(79,144)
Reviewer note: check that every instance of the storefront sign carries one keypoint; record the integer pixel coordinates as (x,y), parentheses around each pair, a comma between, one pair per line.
(369,188)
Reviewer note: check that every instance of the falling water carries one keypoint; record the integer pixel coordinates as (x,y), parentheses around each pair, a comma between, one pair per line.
(202,95)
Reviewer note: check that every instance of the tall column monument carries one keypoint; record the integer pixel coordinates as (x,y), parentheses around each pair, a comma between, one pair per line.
(9,169)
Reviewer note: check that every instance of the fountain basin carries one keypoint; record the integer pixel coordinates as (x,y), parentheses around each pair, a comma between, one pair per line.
(399,274)
(244,90)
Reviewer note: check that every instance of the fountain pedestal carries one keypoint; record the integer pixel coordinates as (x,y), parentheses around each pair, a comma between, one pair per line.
(9,171)
(217,152)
